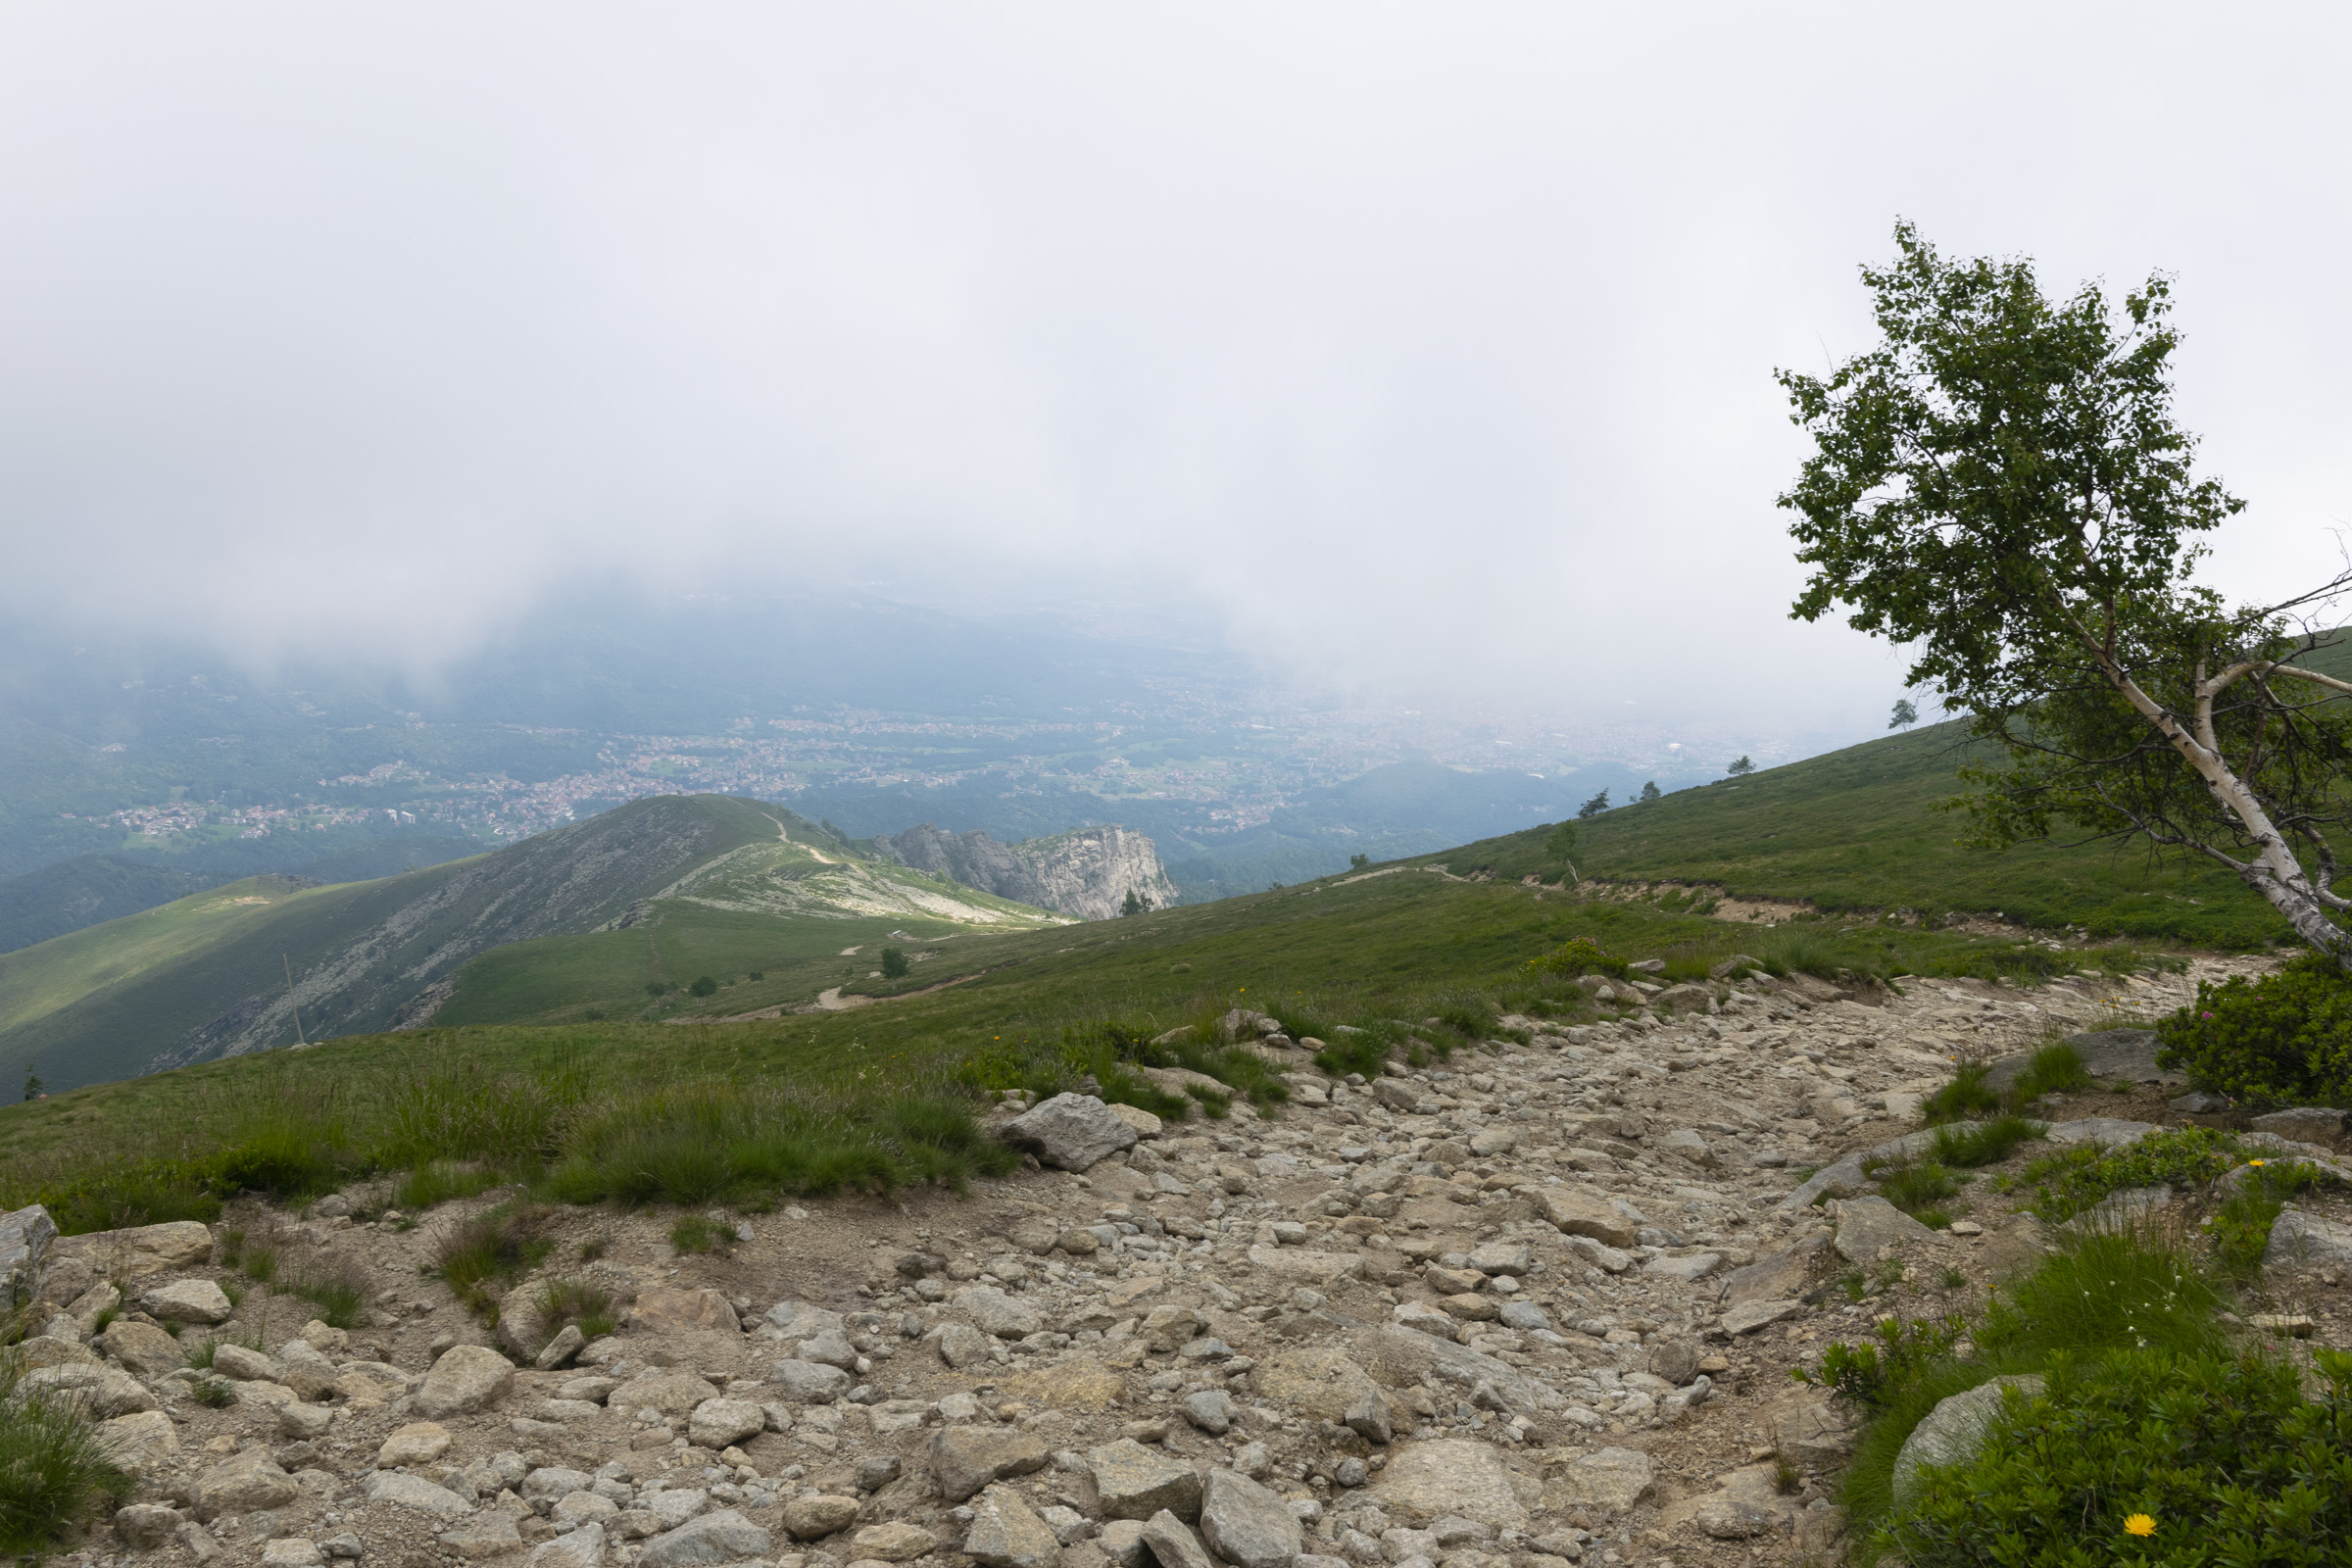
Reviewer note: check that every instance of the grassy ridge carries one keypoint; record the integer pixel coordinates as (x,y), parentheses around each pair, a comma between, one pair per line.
(882,1093)
(1859,829)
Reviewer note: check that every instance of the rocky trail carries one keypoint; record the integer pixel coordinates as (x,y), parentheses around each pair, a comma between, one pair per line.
(1534,1306)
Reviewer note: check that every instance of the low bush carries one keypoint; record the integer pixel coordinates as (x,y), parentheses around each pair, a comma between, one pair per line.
(2285,1036)
(1580,955)
(2147,1455)
(2071,1179)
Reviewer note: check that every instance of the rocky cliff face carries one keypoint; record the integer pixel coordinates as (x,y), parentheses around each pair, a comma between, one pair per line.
(1086,872)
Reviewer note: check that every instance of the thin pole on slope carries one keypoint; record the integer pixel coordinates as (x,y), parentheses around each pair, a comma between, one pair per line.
(290,1001)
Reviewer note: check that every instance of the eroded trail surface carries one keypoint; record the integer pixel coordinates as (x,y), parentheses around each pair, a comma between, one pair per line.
(1537,1306)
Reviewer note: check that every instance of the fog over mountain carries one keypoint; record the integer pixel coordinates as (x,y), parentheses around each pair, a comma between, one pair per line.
(1413,354)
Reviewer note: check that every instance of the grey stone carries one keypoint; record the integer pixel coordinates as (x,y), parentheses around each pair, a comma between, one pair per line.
(187,1301)
(813,1518)
(994,1312)
(960,1346)
(1687,1145)
(722,1423)
(243,1365)
(2301,1239)
(489,1534)
(1524,1315)
(1136,1483)
(2200,1103)
(415,1491)
(801,1320)
(722,1537)
(1369,1418)
(1783,1274)
(1005,1533)
(141,1250)
(146,1525)
(241,1483)
(1576,1212)
(1840,1180)
(1425,1482)
(2108,1132)
(893,1541)
(1691,1266)
(1122,1541)
(1246,1525)
(1171,1544)
(1675,1361)
(1749,1316)
(1954,1430)
(1867,1225)
(1212,1410)
(1514,1258)
(468,1377)
(25,1238)
(139,1442)
(1610,1480)
(2304,1124)
(1071,1132)
(584,1547)
(1397,1355)
(964,1459)
(803,1381)
(2128,1054)
(1732,1519)
(830,1349)
(567,1343)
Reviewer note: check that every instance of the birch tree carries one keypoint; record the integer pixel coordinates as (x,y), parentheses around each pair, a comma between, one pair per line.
(2001,487)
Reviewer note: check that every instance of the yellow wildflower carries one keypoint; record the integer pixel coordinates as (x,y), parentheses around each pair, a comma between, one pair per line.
(2140,1524)
(2258,1162)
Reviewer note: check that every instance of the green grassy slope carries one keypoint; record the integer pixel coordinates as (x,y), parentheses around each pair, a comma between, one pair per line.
(1407,944)
(702,884)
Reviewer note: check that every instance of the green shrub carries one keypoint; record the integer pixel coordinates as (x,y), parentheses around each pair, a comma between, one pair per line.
(704,986)
(2285,1036)
(2072,1179)
(2239,1230)
(1580,955)
(1967,1095)
(1983,1142)
(1363,1051)
(2147,1456)
(894,964)
(2055,1070)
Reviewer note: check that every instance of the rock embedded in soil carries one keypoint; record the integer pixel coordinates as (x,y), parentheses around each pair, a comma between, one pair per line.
(465,1379)
(1069,1132)
(964,1459)
(1953,1431)
(1005,1533)
(1246,1525)
(1135,1483)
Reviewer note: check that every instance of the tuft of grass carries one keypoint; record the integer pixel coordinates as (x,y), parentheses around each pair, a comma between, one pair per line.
(335,1286)
(1972,1143)
(699,1232)
(2055,1070)
(490,1251)
(594,1248)
(54,1471)
(1916,1189)
(216,1393)
(1951,1279)
(1967,1095)
(440,1181)
(576,1302)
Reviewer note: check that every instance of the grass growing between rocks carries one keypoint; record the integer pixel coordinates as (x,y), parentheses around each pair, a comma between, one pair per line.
(2150,1289)
(1984,1143)
(744,1113)
(2068,1181)
(53,1465)
(484,1256)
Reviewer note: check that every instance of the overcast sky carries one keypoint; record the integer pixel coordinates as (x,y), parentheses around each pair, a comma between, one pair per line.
(1424,345)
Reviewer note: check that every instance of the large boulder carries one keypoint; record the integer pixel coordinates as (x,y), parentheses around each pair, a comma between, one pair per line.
(418,1442)
(1246,1525)
(1425,1482)
(468,1377)
(992,1311)
(404,1491)
(1953,1431)
(142,1250)
(801,1382)
(1773,1277)
(1134,1482)
(722,1423)
(661,1309)
(2299,1239)
(892,1540)
(964,1459)
(241,1483)
(1170,1542)
(139,1442)
(818,1515)
(1071,1132)
(2304,1124)
(584,1547)
(1006,1534)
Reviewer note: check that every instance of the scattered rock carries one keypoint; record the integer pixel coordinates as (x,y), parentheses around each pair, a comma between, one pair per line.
(241,1483)
(1579,1213)
(2304,1124)
(187,1301)
(141,1347)
(2300,1239)
(1171,1544)
(1749,1316)
(418,1442)
(406,1491)
(815,1517)
(1609,1479)
(139,1442)
(662,1311)
(141,1251)
(1135,1483)
(146,1525)
(722,1537)
(1428,1480)
(1868,1226)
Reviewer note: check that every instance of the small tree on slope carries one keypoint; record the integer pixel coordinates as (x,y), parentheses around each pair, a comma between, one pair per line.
(2000,485)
